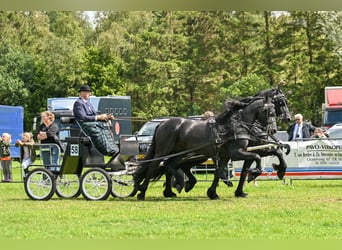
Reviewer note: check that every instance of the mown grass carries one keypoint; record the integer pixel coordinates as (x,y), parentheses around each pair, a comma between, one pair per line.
(306,210)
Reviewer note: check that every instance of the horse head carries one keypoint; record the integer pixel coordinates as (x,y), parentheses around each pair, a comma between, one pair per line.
(279,100)
(261,113)
(266,116)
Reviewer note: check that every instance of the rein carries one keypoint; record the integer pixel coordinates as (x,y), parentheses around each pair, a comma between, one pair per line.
(165,157)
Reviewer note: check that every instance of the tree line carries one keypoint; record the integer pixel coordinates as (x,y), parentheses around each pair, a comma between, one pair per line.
(171,63)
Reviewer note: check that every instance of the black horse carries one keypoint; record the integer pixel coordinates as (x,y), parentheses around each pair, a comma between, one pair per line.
(280,102)
(179,140)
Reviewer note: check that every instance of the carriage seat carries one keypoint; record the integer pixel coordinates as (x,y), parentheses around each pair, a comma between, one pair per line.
(74,139)
(67,120)
(74,128)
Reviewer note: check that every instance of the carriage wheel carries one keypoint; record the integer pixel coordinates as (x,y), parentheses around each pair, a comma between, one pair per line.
(96,184)
(40,184)
(123,185)
(68,186)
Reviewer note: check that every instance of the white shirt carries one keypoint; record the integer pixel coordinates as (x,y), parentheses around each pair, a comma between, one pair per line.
(297,131)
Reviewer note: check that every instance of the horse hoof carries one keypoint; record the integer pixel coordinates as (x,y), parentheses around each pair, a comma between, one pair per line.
(179,188)
(169,194)
(241,195)
(250,178)
(212,195)
(141,197)
(189,185)
(280,174)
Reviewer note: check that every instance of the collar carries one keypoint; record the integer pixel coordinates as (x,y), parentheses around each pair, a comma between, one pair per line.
(84,99)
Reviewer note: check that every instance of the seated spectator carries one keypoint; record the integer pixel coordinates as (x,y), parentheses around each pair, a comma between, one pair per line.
(318,133)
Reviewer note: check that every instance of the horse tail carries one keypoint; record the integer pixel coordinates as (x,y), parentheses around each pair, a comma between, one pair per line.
(152,149)
(141,172)
(159,170)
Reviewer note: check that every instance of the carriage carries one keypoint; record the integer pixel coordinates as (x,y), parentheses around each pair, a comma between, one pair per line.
(83,170)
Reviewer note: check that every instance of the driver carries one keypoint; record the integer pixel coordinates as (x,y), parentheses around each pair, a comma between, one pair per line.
(94,124)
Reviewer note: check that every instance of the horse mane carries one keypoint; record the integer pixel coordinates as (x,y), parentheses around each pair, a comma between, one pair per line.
(228,121)
(269,93)
(233,106)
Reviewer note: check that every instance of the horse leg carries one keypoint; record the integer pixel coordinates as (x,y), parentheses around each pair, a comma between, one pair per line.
(191,182)
(282,166)
(254,173)
(186,167)
(139,177)
(239,190)
(225,177)
(145,180)
(179,179)
(172,167)
(248,158)
(142,188)
(211,193)
(168,175)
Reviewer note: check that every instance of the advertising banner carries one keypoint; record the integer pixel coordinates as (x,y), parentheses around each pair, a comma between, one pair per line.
(309,159)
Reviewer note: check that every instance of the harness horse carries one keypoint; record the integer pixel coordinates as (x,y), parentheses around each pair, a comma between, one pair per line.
(189,142)
(260,146)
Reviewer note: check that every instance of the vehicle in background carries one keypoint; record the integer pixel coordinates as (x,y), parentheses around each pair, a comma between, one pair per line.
(332,107)
(12,122)
(119,106)
(145,134)
(335,131)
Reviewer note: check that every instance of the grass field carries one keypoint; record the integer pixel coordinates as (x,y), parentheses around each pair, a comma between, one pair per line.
(306,210)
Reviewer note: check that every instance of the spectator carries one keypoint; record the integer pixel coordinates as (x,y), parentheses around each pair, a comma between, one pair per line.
(318,133)
(299,129)
(207,115)
(27,151)
(49,134)
(5,157)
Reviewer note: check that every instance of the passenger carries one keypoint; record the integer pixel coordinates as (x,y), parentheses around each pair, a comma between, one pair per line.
(88,119)
(299,129)
(49,134)
(207,115)
(5,157)
(27,151)
(318,133)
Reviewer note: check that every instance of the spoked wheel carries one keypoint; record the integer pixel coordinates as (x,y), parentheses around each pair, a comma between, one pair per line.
(96,184)
(123,185)
(68,186)
(40,184)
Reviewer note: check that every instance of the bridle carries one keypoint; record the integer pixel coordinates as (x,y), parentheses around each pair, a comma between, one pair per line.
(280,103)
